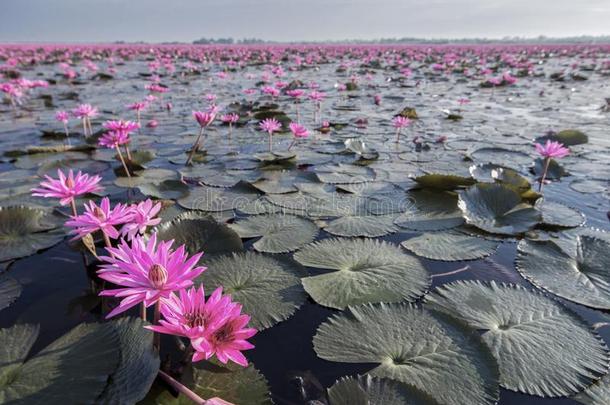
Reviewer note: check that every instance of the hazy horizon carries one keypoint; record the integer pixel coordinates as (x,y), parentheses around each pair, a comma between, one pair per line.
(295,20)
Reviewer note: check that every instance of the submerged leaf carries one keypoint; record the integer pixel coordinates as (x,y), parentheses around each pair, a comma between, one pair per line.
(10,290)
(367,390)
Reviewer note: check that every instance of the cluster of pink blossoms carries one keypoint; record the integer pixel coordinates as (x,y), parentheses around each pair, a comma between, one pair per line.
(151,272)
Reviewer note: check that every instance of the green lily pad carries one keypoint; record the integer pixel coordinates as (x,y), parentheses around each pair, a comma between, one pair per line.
(269,288)
(582,278)
(25,230)
(450,246)
(279,233)
(147,176)
(595,394)
(200,233)
(213,199)
(542,348)
(73,369)
(370,226)
(431,211)
(556,214)
(274,157)
(364,271)
(501,156)
(10,290)
(232,383)
(590,186)
(138,366)
(167,189)
(568,137)
(443,181)
(495,208)
(367,390)
(432,351)
(344,174)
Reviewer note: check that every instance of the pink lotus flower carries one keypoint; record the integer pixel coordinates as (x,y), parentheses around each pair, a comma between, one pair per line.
(188,314)
(147,271)
(114,139)
(121,126)
(400,122)
(296,93)
(100,218)
(66,188)
(143,216)
(298,130)
(138,106)
(152,124)
(62,116)
(85,111)
(270,125)
(204,118)
(552,149)
(230,118)
(227,341)
(463,101)
(316,96)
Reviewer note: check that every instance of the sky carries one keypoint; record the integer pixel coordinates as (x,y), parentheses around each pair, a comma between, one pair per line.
(293,20)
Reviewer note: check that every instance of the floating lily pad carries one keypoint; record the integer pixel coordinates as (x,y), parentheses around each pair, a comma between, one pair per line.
(431,211)
(236,384)
(595,394)
(138,366)
(590,186)
(556,214)
(25,230)
(276,182)
(215,200)
(371,226)
(200,234)
(497,209)
(274,157)
(513,180)
(167,189)
(542,348)
(364,271)
(148,176)
(443,181)
(269,288)
(365,390)
(555,171)
(10,290)
(73,369)
(433,352)
(344,174)
(279,233)
(450,246)
(500,156)
(568,137)
(583,278)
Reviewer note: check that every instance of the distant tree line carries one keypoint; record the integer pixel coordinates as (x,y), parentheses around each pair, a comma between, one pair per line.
(542,39)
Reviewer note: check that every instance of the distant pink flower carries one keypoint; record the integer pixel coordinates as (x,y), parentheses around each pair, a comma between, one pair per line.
(144,215)
(121,126)
(377,99)
(188,314)
(270,125)
(62,116)
(508,79)
(271,91)
(552,149)
(152,124)
(114,139)
(85,111)
(298,130)
(230,118)
(204,118)
(156,88)
(316,96)
(211,98)
(138,106)
(100,218)
(249,92)
(148,271)
(296,93)
(400,122)
(463,101)
(66,188)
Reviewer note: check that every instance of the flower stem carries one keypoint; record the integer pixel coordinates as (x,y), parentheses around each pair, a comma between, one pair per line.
(188,393)
(84,127)
(157,335)
(270,142)
(195,147)
(118,149)
(107,243)
(143,311)
(547,161)
(292,144)
(128,153)
(73,205)
(67,132)
(397,135)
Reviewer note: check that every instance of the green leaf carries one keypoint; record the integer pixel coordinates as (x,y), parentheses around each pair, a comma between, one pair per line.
(138,366)
(73,370)
(269,288)
(568,137)
(215,200)
(279,233)
(450,246)
(364,271)
(433,352)
(370,226)
(556,214)
(438,181)
(200,233)
(10,290)
(366,390)
(542,348)
(431,211)
(25,230)
(495,208)
(582,278)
